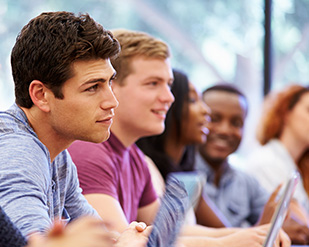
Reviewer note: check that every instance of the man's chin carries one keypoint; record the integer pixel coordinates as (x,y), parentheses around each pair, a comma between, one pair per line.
(154,131)
(216,159)
(99,139)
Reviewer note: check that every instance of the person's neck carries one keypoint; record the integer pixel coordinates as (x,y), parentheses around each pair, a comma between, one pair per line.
(124,134)
(294,146)
(217,166)
(46,134)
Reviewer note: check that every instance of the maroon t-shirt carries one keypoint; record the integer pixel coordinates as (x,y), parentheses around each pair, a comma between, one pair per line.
(112,169)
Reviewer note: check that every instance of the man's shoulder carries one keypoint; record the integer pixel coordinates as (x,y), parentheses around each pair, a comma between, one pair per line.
(244,184)
(22,145)
(13,119)
(97,155)
(238,175)
(23,158)
(15,130)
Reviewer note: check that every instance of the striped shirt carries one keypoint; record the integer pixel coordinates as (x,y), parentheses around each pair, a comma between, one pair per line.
(34,191)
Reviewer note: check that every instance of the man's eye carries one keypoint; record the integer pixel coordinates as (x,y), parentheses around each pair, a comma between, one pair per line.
(153,83)
(93,88)
(238,123)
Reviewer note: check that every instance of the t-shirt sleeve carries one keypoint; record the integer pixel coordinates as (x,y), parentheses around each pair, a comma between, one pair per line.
(149,194)
(95,168)
(24,183)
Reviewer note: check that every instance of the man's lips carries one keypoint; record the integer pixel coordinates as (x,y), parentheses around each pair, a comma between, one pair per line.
(221,144)
(159,112)
(108,119)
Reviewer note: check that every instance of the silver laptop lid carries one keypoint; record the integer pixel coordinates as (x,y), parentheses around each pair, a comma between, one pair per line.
(281,209)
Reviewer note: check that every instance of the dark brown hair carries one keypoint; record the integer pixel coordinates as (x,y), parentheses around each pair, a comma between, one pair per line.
(49,44)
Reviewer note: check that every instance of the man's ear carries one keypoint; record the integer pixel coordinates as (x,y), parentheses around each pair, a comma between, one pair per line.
(39,95)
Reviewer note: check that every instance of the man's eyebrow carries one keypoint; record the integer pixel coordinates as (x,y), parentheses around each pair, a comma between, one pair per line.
(159,78)
(95,81)
(103,80)
(155,78)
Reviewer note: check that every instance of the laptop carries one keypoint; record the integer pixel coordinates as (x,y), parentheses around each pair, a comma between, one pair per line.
(176,202)
(193,182)
(281,209)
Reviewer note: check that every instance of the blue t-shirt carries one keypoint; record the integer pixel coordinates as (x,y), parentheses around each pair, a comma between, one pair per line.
(239,196)
(34,191)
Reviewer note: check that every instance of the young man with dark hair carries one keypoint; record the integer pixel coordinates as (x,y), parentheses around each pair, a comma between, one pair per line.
(228,112)
(237,194)
(62,74)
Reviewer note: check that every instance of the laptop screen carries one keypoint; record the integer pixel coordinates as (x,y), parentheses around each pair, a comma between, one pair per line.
(281,209)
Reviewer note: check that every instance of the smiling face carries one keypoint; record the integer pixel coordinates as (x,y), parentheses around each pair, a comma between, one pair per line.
(86,111)
(195,121)
(228,111)
(144,99)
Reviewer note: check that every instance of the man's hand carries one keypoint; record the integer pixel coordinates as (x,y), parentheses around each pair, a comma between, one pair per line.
(136,235)
(254,237)
(83,232)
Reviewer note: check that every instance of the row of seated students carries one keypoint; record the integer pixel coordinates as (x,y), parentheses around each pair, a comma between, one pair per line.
(64,70)
(113,174)
(237,195)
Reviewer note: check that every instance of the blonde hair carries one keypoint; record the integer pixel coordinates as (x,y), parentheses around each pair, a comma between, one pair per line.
(136,44)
